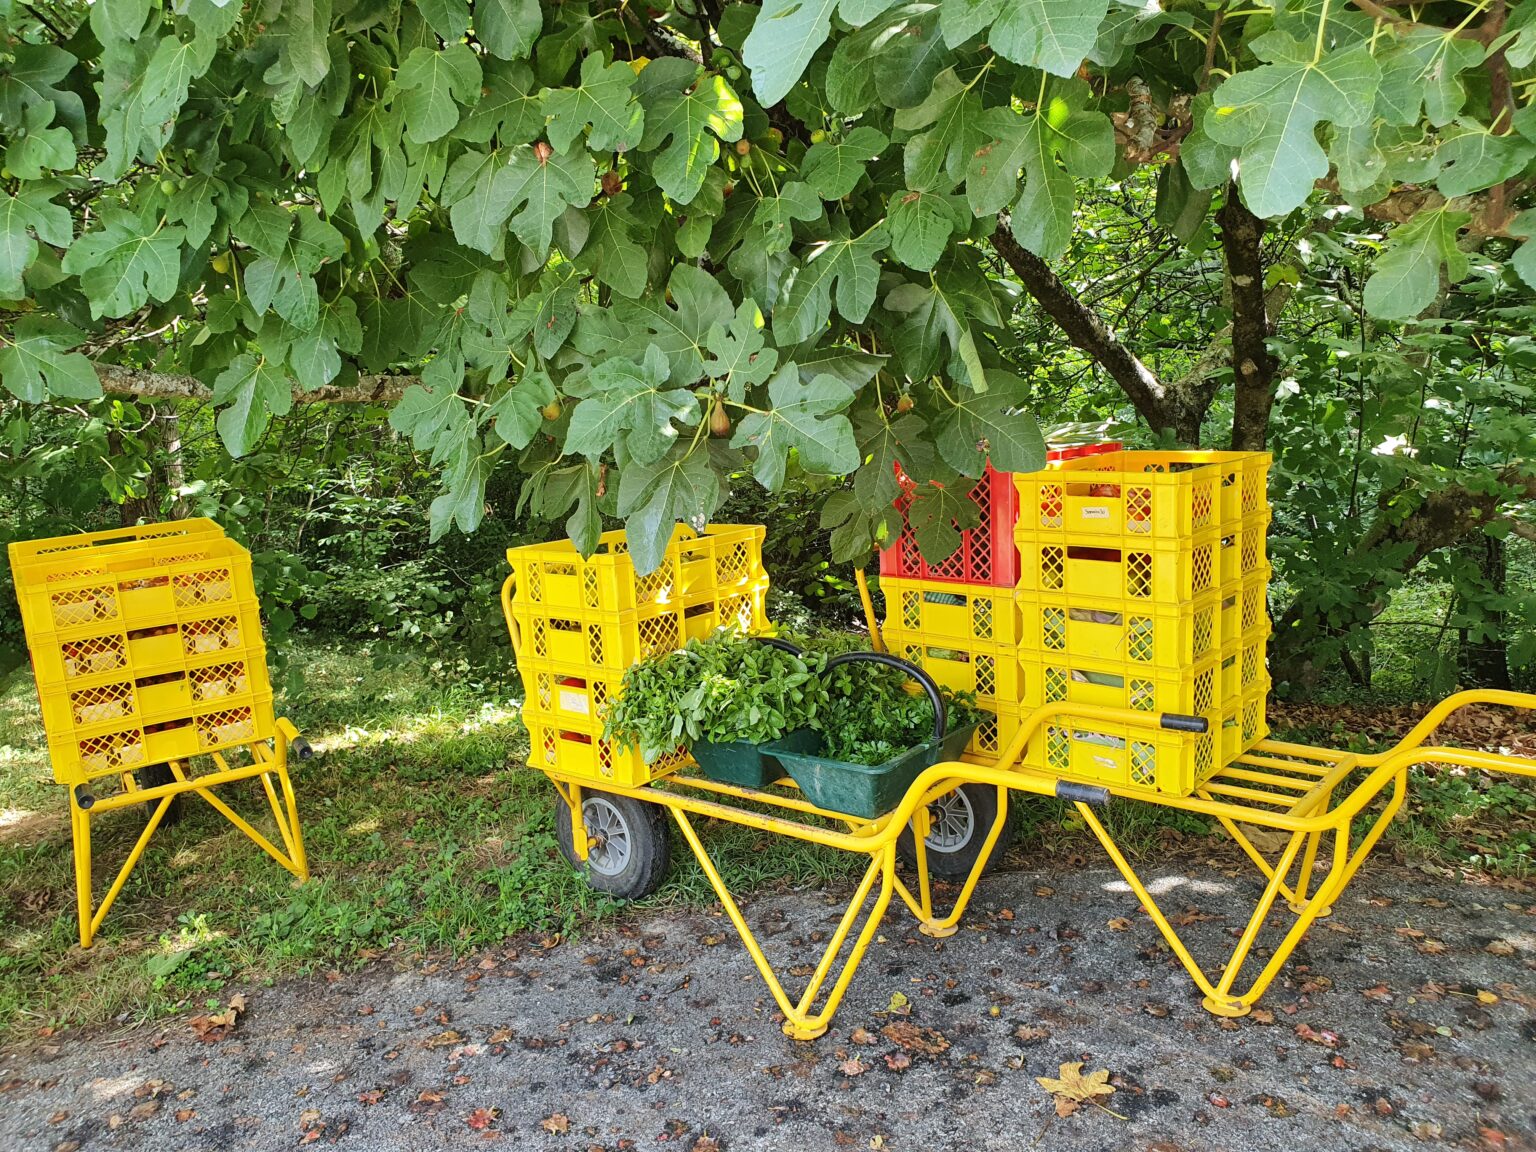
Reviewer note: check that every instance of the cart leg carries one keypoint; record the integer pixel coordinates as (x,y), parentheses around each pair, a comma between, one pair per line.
(948,925)
(1298,901)
(162,806)
(800,1023)
(80,826)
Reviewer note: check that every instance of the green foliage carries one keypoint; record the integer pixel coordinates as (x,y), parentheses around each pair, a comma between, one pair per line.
(872,714)
(725,688)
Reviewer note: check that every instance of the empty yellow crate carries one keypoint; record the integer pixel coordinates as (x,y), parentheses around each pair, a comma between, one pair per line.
(609,642)
(1139,634)
(723,559)
(1148,571)
(991,671)
(572,748)
(1122,756)
(960,613)
(81,756)
(1149,495)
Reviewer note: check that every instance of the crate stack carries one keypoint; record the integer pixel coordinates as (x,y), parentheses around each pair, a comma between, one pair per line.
(146,646)
(1142,583)
(580,622)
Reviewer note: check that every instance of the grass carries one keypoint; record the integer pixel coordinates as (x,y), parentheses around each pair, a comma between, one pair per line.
(425,832)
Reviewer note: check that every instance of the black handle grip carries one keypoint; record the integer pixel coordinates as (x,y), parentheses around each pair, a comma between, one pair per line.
(1177,722)
(301,748)
(781,644)
(940,712)
(85,800)
(1082,793)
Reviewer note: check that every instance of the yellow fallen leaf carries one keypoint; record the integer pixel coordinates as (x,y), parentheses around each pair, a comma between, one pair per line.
(1486,997)
(1071,1088)
(898,1002)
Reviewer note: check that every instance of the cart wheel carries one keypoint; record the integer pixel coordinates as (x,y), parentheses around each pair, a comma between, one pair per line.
(154,775)
(959,823)
(629,843)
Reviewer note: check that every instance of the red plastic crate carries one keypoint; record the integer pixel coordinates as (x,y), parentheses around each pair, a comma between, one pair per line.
(987,553)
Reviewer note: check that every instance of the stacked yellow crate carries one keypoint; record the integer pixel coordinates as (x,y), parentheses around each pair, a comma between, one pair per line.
(580,622)
(146,646)
(1143,584)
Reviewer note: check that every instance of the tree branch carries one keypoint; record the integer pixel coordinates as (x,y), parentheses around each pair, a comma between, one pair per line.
(1087,331)
(167,386)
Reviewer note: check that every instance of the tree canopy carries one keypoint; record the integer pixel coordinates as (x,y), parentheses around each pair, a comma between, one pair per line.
(635,251)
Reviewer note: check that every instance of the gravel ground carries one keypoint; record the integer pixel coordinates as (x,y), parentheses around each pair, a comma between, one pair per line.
(1406,1021)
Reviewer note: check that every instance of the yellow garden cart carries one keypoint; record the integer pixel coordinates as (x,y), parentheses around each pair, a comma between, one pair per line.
(1329,808)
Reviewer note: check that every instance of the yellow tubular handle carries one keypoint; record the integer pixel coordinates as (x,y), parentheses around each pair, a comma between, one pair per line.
(876,641)
(1440,711)
(506,611)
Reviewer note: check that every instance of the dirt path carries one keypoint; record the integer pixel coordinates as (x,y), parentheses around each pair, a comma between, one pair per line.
(1408,1021)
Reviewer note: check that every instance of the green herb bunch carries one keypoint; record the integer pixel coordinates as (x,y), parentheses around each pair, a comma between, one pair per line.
(727,687)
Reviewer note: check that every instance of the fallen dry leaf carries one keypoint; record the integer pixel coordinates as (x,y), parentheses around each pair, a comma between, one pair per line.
(1119,924)
(915,1038)
(1315,1036)
(899,1003)
(444,1040)
(1499,948)
(1072,1089)
(557,1125)
(853,1067)
(706,1144)
(862,1035)
(482,1118)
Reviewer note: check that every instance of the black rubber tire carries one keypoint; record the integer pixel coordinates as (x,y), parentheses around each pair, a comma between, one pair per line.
(648,846)
(152,776)
(956,863)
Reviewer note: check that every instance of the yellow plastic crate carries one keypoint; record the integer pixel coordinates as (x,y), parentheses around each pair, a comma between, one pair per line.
(63,661)
(565,697)
(942,611)
(1138,634)
(991,671)
(554,577)
(573,748)
(1193,691)
(606,643)
(84,551)
(1122,756)
(105,749)
(994,732)
(1149,571)
(145,585)
(1142,495)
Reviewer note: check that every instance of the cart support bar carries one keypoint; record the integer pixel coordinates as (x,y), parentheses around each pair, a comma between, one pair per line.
(1177,722)
(1082,793)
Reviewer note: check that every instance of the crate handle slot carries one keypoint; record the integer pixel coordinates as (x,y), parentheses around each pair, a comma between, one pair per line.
(1103,555)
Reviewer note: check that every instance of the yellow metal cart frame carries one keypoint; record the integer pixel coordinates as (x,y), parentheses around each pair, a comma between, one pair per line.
(1313,796)
(266,763)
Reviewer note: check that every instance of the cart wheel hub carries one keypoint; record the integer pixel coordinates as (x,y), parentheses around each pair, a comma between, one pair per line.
(608,839)
(952,822)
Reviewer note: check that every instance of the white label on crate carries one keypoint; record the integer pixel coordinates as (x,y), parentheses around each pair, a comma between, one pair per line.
(1105,762)
(573,702)
(1096,512)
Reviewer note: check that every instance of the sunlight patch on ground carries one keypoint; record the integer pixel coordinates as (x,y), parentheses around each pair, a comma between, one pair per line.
(10,817)
(1165,884)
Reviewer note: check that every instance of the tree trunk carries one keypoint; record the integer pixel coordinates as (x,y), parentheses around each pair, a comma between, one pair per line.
(1485,662)
(1253,368)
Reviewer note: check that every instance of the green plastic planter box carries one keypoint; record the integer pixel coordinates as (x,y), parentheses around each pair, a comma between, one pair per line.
(863,790)
(745,764)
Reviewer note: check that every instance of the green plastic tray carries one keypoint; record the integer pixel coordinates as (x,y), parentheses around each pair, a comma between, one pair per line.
(743,763)
(863,790)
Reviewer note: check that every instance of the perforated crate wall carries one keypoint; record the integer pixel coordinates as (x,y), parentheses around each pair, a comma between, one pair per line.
(1150,495)
(1193,691)
(991,671)
(564,697)
(554,577)
(955,613)
(1139,634)
(127,747)
(986,554)
(579,751)
(1121,756)
(1144,572)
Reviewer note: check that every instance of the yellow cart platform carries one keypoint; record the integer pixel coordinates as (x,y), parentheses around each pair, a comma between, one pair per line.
(1330,807)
